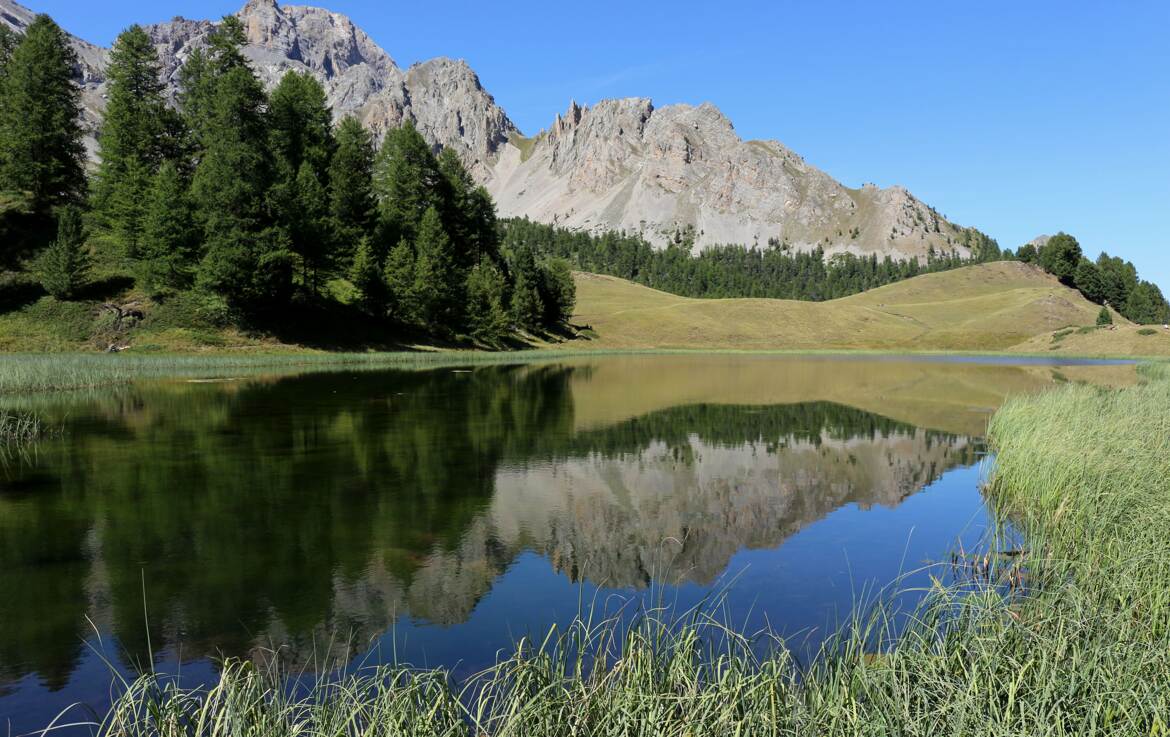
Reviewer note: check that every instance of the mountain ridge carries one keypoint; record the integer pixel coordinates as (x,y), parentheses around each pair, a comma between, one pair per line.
(674,174)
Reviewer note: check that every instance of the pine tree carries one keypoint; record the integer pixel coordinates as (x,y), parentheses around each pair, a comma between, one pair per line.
(1087,279)
(40,138)
(487,319)
(300,125)
(469,212)
(132,141)
(526,309)
(366,275)
(63,267)
(194,95)
(437,279)
(203,69)
(1060,257)
(247,259)
(310,231)
(301,142)
(398,275)
(351,184)
(1118,279)
(1104,318)
(170,239)
(407,182)
(558,293)
(1146,305)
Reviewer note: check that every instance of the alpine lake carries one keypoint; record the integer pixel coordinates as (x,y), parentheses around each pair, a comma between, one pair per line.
(436,516)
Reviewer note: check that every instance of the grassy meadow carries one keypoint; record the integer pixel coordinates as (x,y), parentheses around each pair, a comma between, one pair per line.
(994,307)
(1068,635)
(1126,340)
(986,307)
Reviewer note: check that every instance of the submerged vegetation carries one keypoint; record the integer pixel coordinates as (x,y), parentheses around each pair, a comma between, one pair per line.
(1070,635)
(18,429)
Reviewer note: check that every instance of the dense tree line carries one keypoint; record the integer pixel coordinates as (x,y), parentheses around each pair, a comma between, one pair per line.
(1108,281)
(254,201)
(723,271)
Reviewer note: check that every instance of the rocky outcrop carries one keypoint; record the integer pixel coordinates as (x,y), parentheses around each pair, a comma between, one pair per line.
(676,174)
(681,174)
(443,97)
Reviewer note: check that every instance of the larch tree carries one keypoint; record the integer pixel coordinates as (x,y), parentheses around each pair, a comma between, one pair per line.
(301,141)
(366,275)
(407,182)
(41,153)
(525,308)
(246,260)
(468,211)
(398,277)
(487,319)
(1087,279)
(131,144)
(437,280)
(351,186)
(170,238)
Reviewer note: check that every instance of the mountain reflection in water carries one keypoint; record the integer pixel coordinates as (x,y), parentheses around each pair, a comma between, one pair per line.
(214,520)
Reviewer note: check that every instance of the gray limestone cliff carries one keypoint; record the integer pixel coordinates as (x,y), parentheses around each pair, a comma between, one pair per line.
(677,173)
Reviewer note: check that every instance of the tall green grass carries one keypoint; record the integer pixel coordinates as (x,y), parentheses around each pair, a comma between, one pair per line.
(1083,648)
(20,432)
(42,372)
(23,373)
(18,429)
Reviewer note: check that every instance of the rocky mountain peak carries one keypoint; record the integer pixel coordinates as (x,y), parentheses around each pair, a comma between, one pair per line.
(563,124)
(624,164)
(669,172)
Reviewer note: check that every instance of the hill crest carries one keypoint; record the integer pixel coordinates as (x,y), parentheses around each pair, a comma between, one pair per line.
(993,306)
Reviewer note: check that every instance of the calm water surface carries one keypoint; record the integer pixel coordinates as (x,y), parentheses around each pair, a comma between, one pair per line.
(436,516)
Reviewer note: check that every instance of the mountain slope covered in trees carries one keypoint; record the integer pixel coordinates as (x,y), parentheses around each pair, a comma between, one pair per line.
(242,207)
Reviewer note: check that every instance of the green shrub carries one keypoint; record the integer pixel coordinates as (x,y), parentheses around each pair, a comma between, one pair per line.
(1103,317)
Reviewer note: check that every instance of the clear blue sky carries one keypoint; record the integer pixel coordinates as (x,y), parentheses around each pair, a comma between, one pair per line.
(1019,118)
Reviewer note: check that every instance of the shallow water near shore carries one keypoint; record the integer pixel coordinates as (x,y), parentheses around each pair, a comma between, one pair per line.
(435,516)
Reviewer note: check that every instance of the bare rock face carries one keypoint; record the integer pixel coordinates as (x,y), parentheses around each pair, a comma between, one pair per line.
(674,174)
(682,173)
(444,98)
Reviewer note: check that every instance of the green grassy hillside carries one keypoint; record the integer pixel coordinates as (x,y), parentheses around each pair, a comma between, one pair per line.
(1003,306)
(1119,340)
(991,306)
